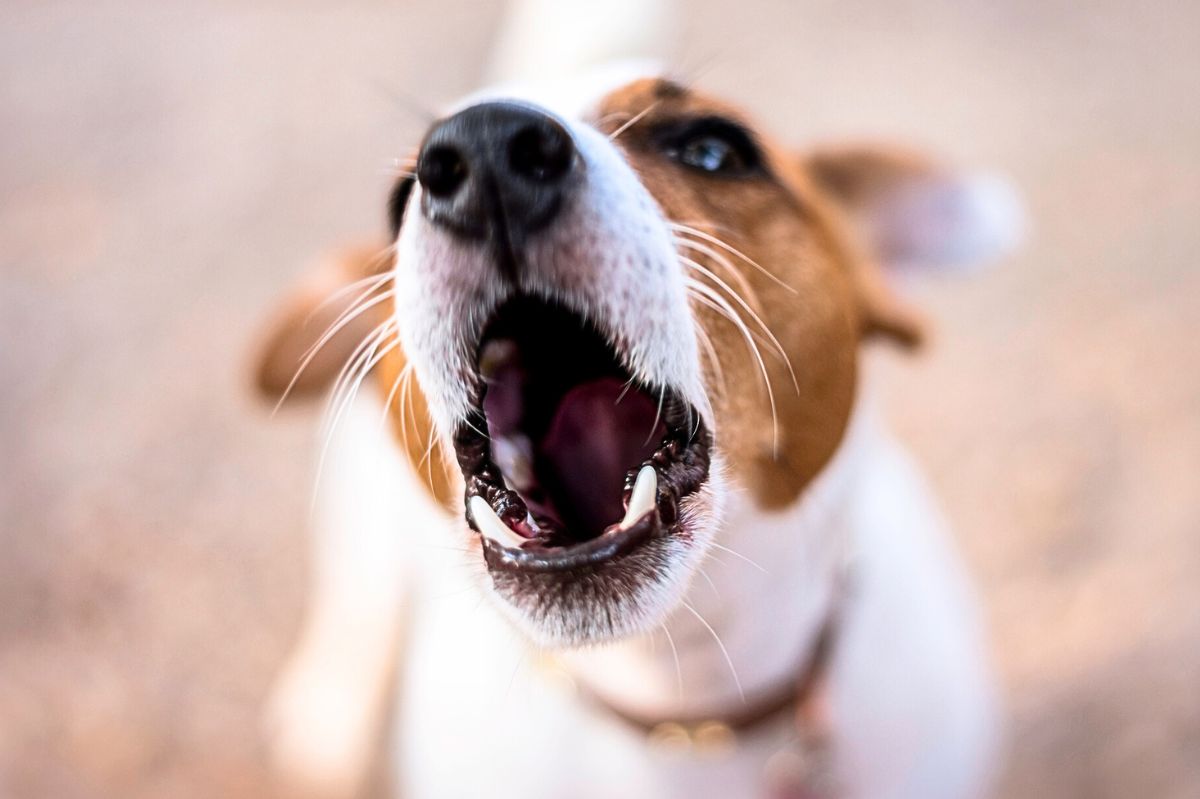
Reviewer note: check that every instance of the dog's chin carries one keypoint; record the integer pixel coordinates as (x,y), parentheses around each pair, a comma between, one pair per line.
(616,599)
(590,489)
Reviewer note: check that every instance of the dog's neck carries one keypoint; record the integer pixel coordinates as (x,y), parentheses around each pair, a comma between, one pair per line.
(756,608)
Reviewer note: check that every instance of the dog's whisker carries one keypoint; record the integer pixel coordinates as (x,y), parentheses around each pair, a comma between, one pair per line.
(708,298)
(362,360)
(682,228)
(333,330)
(678,666)
(346,318)
(662,391)
(624,390)
(741,556)
(351,386)
(336,326)
(358,305)
(354,371)
(773,340)
(427,459)
(700,570)
(374,280)
(710,352)
(407,409)
(712,299)
(721,260)
(391,397)
(360,355)
(721,645)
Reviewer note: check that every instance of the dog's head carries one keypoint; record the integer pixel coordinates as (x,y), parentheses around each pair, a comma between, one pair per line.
(614,318)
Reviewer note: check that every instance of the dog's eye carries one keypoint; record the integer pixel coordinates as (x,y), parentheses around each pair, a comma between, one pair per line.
(711,154)
(712,145)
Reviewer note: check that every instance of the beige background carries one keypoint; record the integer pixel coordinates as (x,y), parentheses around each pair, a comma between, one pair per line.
(167,169)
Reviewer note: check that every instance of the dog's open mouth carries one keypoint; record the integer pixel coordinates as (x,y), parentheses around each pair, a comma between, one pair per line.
(569,461)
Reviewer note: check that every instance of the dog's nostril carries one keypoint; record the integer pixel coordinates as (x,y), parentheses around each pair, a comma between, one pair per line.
(541,153)
(441,171)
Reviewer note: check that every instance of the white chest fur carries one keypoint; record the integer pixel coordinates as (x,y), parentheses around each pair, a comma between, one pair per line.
(480,713)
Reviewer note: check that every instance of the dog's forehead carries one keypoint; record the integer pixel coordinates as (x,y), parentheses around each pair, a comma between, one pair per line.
(572,97)
(661,96)
(597,95)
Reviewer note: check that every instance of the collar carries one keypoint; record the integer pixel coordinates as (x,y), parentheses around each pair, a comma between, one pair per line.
(800,695)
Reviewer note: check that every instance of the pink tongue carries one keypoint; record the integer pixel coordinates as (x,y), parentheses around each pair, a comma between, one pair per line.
(592,442)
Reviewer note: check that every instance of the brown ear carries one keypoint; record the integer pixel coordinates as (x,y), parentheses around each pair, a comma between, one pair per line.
(323,302)
(885,313)
(913,211)
(289,362)
(908,212)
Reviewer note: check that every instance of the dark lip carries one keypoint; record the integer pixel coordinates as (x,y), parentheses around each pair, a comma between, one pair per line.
(609,546)
(681,465)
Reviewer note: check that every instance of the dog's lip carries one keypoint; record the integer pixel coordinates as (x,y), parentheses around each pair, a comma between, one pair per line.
(680,467)
(613,543)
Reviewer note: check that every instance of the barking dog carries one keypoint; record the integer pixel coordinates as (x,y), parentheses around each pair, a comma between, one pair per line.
(616,344)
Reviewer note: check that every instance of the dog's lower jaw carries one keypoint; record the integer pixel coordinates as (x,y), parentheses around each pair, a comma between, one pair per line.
(602,611)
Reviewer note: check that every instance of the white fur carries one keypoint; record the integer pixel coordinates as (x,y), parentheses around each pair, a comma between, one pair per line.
(482,712)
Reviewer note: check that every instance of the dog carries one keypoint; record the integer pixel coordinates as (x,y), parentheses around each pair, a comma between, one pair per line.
(606,507)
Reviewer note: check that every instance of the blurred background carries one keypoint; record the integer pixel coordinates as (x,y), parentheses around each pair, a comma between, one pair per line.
(167,170)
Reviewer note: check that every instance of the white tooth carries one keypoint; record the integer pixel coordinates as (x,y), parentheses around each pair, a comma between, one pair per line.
(514,455)
(490,526)
(495,354)
(642,499)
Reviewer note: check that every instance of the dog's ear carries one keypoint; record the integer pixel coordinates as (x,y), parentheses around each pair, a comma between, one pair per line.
(909,213)
(343,303)
(915,212)
(329,303)
(292,361)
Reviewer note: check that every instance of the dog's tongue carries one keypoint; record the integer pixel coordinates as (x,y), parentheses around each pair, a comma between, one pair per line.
(598,433)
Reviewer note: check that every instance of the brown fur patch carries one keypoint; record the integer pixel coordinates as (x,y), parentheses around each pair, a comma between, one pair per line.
(784,223)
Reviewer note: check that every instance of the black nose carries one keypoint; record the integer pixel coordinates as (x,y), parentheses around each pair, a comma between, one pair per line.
(495,171)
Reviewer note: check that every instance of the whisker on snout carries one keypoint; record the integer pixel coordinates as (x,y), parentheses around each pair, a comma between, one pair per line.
(680,227)
(359,305)
(770,336)
(365,358)
(710,298)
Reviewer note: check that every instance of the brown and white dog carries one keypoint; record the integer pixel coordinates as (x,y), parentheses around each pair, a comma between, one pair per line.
(620,501)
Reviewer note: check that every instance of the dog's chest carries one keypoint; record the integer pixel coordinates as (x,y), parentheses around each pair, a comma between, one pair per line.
(484,715)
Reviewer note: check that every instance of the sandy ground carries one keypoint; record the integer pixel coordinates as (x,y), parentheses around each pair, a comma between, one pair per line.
(165,172)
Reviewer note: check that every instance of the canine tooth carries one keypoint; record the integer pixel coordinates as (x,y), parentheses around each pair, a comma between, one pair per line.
(514,455)
(490,526)
(642,499)
(495,354)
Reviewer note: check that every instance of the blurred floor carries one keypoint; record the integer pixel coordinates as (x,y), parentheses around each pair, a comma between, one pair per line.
(164,174)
